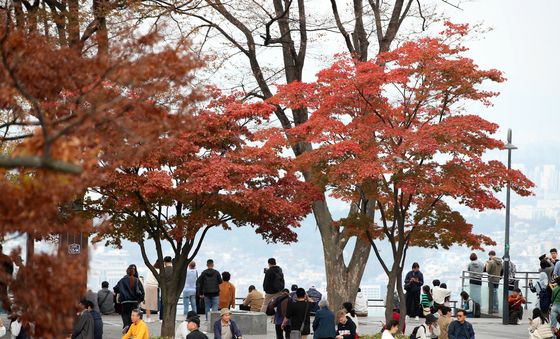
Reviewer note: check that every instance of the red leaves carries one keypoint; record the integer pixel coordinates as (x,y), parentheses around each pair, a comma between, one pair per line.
(392,132)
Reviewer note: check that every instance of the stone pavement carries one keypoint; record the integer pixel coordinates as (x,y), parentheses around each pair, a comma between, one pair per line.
(485,328)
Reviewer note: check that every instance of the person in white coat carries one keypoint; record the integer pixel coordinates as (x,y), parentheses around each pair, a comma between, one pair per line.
(390,330)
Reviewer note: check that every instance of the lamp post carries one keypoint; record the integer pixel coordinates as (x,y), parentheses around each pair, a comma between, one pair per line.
(505,305)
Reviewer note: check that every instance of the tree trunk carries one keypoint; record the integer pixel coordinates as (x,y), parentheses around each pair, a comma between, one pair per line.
(342,280)
(389,296)
(169,299)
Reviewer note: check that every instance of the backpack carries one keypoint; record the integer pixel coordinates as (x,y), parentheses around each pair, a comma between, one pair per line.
(476,311)
(414,334)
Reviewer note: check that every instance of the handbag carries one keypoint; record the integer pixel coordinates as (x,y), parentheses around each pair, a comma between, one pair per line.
(426,310)
(296,334)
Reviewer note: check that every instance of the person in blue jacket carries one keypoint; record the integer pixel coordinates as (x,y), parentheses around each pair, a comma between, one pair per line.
(226,324)
(323,324)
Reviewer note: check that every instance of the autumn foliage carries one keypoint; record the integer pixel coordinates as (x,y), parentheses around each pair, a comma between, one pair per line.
(70,110)
(393,138)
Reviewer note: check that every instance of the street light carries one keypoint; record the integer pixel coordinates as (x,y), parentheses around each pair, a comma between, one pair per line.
(505,305)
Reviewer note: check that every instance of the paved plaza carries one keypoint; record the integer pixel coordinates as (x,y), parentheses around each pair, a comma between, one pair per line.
(485,328)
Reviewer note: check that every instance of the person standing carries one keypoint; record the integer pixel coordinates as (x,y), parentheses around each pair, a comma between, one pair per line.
(280,307)
(83,326)
(208,285)
(189,291)
(555,303)
(475,269)
(346,328)
(105,299)
(494,269)
(460,328)
(254,299)
(151,290)
(413,284)
(138,328)
(130,293)
(323,324)
(225,328)
(273,283)
(298,315)
(227,292)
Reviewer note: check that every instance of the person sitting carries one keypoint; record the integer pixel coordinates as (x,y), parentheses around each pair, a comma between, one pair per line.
(193,327)
(225,327)
(467,304)
(361,304)
(429,328)
(346,328)
(182,331)
(105,299)
(323,324)
(391,329)
(460,328)
(351,313)
(253,301)
(138,329)
(97,320)
(84,324)
(515,300)
(539,326)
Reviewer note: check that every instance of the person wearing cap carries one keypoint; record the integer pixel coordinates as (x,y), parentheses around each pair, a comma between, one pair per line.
(183,329)
(194,328)
(225,328)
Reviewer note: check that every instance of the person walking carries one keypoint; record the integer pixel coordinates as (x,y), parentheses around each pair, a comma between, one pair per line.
(138,328)
(494,269)
(151,290)
(298,315)
(280,307)
(413,283)
(475,269)
(390,330)
(273,283)
(225,328)
(227,292)
(323,324)
(189,291)
(346,328)
(254,300)
(208,285)
(460,328)
(130,293)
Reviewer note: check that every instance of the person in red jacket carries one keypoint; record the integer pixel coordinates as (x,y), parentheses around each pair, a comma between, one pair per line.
(515,301)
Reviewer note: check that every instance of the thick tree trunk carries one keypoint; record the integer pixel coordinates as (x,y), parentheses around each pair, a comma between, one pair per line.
(389,297)
(342,280)
(169,312)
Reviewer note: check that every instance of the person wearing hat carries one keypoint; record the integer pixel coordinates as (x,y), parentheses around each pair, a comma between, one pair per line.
(183,329)
(225,328)
(193,327)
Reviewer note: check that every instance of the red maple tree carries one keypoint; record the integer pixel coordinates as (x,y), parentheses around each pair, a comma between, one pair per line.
(61,109)
(218,168)
(392,138)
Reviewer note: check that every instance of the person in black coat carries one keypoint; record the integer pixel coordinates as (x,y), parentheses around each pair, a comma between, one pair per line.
(208,285)
(273,283)
(97,320)
(413,283)
(346,328)
(130,293)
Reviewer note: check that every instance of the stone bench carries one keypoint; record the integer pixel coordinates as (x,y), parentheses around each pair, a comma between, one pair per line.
(249,323)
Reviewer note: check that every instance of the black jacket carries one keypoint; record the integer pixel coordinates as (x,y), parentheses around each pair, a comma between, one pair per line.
(97,325)
(128,295)
(273,280)
(209,282)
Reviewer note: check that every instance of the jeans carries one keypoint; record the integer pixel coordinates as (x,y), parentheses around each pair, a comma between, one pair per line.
(493,297)
(554,312)
(475,293)
(211,304)
(189,297)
